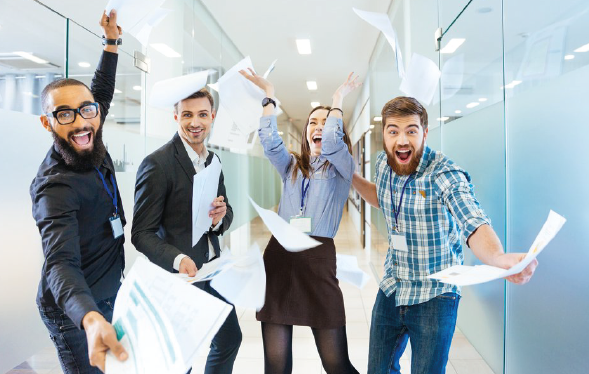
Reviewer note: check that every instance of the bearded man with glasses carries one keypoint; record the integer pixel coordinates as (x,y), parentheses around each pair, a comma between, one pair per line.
(79,213)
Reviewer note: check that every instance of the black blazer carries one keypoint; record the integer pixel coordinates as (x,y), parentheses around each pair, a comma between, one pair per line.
(162,216)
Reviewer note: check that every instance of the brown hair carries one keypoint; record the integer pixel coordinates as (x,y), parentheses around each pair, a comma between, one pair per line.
(197,95)
(403,106)
(65,82)
(303,160)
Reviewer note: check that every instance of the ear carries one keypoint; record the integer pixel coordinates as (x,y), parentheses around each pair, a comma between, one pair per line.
(425,134)
(45,123)
(213,114)
(176,116)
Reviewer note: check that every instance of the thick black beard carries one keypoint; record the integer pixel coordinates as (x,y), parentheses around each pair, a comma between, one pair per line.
(404,169)
(81,161)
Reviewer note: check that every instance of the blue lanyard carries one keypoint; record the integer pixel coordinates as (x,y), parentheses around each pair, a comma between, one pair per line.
(398,209)
(114,184)
(304,192)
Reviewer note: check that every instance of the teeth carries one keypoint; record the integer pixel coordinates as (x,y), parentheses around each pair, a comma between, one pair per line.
(404,151)
(195,131)
(82,134)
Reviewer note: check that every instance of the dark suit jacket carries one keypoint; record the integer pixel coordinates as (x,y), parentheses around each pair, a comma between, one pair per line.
(162,217)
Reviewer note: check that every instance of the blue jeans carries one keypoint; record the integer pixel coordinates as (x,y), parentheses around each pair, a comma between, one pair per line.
(226,342)
(69,340)
(429,326)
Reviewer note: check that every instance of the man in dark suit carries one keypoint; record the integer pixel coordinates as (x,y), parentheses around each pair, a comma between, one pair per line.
(162,217)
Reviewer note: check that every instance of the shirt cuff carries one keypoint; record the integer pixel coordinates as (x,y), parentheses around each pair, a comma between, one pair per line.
(178,260)
(218,225)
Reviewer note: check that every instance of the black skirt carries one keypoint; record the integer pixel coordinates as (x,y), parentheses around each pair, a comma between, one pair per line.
(301,287)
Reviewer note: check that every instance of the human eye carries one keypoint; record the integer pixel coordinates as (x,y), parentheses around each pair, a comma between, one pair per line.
(65,114)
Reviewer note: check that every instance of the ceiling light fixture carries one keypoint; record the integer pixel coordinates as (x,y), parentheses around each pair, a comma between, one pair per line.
(371,127)
(137,88)
(583,48)
(377,119)
(118,91)
(312,85)
(511,85)
(315,104)
(165,50)
(84,64)
(483,99)
(443,119)
(472,105)
(569,57)
(452,45)
(304,46)
(29,56)
(457,111)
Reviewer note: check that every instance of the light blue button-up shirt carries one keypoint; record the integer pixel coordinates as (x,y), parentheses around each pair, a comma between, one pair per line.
(328,188)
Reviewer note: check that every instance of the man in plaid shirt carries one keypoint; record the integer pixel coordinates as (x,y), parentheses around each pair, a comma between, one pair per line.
(428,203)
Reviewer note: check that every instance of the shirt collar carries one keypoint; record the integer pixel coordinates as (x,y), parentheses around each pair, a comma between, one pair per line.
(424,160)
(194,157)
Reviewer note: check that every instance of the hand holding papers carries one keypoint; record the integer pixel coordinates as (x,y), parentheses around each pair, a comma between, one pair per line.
(204,191)
(138,17)
(168,92)
(348,271)
(467,275)
(289,237)
(162,321)
(382,22)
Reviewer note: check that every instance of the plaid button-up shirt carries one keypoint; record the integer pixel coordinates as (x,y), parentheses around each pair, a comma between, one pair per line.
(438,206)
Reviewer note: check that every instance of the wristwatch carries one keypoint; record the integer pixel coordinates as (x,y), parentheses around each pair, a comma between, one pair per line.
(106,41)
(267,101)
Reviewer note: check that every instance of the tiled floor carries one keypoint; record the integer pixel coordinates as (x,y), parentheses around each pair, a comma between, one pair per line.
(464,359)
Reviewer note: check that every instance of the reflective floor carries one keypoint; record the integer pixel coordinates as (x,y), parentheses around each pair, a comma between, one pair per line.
(464,359)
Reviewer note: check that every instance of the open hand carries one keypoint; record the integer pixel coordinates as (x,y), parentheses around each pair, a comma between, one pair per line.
(259,81)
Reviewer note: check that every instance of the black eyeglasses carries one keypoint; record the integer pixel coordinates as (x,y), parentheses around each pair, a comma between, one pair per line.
(67,116)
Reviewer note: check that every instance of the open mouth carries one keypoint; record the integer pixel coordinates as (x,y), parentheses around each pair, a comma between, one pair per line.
(83,139)
(403,155)
(196,132)
(316,139)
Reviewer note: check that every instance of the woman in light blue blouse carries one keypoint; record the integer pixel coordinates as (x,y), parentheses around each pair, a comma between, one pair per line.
(302,288)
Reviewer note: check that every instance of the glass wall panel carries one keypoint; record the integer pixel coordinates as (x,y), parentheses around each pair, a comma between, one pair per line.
(545,50)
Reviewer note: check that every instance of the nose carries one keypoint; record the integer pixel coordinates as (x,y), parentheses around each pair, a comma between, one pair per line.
(402,139)
(79,122)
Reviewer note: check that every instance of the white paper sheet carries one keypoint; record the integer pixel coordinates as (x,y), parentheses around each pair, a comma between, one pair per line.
(452,76)
(463,275)
(162,322)
(227,134)
(421,79)
(349,271)
(208,270)
(138,17)
(270,69)
(382,22)
(289,237)
(241,98)
(168,92)
(204,191)
(244,282)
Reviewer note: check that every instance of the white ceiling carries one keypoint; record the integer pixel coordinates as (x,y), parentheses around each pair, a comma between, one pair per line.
(341,43)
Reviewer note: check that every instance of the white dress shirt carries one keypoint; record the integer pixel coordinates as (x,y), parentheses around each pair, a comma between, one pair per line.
(198,161)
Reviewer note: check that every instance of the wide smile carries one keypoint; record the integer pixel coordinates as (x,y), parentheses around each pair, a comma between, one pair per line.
(403,156)
(196,132)
(82,140)
(316,139)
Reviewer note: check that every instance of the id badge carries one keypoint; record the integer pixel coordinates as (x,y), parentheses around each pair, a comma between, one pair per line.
(400,242)
(302,223)
(117,226)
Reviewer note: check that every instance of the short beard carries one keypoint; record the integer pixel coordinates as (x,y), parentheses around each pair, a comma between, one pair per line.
(409,168)
(85,160)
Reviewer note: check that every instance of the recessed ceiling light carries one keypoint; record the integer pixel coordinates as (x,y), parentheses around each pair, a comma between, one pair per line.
(584,48)
(280,133)
(511,85)
(137,88)
(472,105)
(112,104)
(371,127)
(315,104)
(84,64)
(30,57)
(483,99)
(452,45)
(312,85)
(457,111)
(569,57)
(165,50)
(377,119)
(118,91)
(443,119)
(304,46)
(112,115)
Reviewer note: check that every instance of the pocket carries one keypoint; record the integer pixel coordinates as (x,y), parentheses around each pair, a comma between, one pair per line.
(66,324)
(448,296)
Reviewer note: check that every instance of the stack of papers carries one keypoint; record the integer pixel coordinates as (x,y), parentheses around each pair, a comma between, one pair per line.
(162,322)
(204,191)
(138,17)
(462,275)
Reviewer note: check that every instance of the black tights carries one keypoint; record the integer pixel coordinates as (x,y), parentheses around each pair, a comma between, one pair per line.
(332,345)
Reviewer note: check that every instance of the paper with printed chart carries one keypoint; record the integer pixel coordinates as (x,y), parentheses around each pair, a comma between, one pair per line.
(421,79)
(209,269)
(138,17)
(244,282)
(462,275)
(382,22)
(204,191)
(162,322)
(349,271)
(288,236)
(168,92)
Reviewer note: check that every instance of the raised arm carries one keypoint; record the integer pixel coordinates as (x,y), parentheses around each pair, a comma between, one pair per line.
(274,147)
(366,189)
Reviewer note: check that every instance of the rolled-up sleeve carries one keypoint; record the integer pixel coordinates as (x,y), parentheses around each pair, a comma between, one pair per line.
(274,147)
(335,150)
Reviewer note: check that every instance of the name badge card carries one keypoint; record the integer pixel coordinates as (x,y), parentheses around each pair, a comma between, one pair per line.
(302,223)
(400,242)
(117,226)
